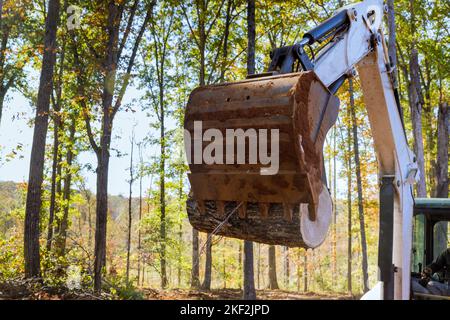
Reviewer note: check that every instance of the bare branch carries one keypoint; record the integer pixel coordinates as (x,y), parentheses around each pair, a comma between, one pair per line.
(189,25)
(132,60)
(128,27)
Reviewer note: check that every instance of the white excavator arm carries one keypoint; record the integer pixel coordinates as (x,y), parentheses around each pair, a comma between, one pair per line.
(295,98)
(361,47)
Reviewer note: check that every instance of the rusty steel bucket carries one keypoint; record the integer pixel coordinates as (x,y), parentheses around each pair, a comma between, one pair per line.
(289,205)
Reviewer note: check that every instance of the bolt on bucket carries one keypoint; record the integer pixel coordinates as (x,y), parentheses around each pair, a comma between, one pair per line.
(254,149)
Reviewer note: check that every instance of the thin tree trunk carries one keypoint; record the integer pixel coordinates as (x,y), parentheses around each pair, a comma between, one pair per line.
(2,102)
(305,271)
(273,283)
(208,264)
(63,224)
(416,119)
(180,209)
(224,266)
(442,179)
(249,281)
(249,274)
(349,207)
(5,36)
(392,51)
(259,266)
(89,222)
(359,187)
(57,123)
(35,177)
(240,253)
(162,183)
(286,267)
(415,103)
(130,209)
(230,6)
(298,270)
(180,239)
(141,163)
(334,253)
(52,209)
(195,272)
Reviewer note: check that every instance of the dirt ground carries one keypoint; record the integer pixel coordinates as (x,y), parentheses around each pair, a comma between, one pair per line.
(30,290)
(236,294)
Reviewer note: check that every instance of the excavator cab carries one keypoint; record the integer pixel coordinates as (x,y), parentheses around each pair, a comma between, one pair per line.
(430,238)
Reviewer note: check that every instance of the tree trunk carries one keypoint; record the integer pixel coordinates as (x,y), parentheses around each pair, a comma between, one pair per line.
(35,177)
(130,210)
(286,267)
(52,208)
(101,213)
(416,104)
(305,272)
(442,180)
(162,200)
(364,264)
(141,164)
(110,66)
(273,283)
(240,264)
(249,274)
(195,272)
(349,207)
(259,266)
(416,119)
(392,50)
(208,264)
(2,102)
(249,281)
(228,19)
(180,239)
(5,36)
(334,253)
(57,124)
(89,222)
(298,269)
(63,224)
(180,209)
(224,265)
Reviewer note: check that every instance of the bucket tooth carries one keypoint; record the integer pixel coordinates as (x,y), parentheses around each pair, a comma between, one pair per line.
(201,206)
(288,211)
(220,205)
(264,209)
(243,210)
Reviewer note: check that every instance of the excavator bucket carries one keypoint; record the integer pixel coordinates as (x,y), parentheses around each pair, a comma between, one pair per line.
(284,202)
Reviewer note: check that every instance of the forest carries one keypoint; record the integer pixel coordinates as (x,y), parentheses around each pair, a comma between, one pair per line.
(93,175)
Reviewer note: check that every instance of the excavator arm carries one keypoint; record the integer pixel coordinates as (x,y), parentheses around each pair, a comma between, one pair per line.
(296,97)
(358,48)
(363,47)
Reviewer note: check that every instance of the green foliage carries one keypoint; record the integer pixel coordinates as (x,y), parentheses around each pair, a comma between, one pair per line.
(11,257)
(119,288)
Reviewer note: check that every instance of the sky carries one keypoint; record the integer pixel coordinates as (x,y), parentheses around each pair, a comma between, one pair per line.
(15,129)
